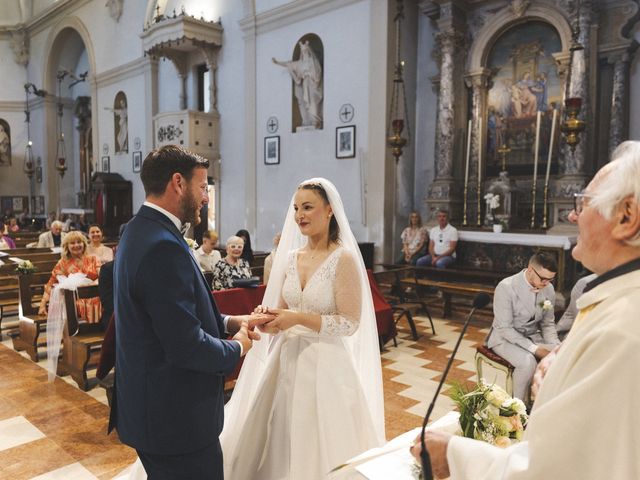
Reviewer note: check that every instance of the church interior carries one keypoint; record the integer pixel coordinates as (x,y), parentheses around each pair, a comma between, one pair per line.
(493,113)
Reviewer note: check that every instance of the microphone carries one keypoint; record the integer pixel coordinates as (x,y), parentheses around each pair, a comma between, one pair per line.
(480,301)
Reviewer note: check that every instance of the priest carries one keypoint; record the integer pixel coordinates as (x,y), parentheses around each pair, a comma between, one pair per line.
(583,420)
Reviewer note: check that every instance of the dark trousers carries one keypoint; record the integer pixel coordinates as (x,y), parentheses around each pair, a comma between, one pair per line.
(205,464)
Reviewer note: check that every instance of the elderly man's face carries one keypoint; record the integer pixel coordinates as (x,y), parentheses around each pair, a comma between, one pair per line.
(56,229)
(594,239)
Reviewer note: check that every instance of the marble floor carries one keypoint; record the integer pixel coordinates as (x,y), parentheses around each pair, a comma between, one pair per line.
(56,431)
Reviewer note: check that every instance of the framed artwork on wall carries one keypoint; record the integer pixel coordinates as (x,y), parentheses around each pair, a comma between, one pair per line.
(346,141)
(137,162)
(105,164)
(272,150)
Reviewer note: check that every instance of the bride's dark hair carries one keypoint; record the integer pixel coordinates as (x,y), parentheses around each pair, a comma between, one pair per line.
(334,229)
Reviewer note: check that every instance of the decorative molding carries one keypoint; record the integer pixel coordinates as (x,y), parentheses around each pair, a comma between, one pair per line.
(290,13)
(54,14)
(20,46)
(128,70)
(11,106)
(115,8)
(519,7)
(505,19)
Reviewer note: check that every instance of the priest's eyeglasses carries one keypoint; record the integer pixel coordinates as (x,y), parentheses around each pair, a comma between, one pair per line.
(579,201)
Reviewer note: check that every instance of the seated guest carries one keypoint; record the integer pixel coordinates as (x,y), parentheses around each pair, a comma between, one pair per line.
(523,330)
(81,224)
(268,262)
(566,321)
(414,239)
(103,253)
(442,243)
(6,242)
(232,266)
(12,225)
(52,238)
(247,253)
(75,259)
(206,254)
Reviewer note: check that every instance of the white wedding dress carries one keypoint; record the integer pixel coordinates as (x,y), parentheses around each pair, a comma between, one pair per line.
(310,412)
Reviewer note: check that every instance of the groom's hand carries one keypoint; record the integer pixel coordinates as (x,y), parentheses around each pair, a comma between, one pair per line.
(246,337)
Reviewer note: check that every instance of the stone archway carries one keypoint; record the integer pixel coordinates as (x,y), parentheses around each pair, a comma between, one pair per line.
(71,51)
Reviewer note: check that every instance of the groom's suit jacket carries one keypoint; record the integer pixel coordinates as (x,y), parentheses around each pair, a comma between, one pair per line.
(170,360)
(519,314)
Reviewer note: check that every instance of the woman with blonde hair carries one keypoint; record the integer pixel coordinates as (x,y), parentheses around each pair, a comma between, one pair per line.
(75,260)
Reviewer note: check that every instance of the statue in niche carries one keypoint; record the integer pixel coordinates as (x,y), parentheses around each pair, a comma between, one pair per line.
(120,122)
(306,73)
(5,144)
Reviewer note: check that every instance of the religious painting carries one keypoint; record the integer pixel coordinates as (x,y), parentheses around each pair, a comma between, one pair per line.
(5,144)
(346,142)
(120,123)
(137,162)
(525,81)
(272,150)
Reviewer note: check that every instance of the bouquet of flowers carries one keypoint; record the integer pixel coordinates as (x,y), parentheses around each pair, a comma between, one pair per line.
(488,413)
(191,242)
(25,267)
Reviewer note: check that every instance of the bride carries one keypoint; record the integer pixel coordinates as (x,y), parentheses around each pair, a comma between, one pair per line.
(309,395)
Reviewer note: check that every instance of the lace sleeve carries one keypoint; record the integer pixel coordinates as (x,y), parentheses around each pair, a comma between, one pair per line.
(348,300)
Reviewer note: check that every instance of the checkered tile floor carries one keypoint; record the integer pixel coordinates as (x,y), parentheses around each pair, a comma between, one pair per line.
(411,372)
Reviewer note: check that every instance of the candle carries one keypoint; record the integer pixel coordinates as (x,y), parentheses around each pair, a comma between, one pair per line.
(537,148)
(479,152)
(553,134)
(466,167)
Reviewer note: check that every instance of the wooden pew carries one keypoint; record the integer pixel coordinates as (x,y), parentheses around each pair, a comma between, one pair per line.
(32,326)
(82,341)
(448,289)
(9,268)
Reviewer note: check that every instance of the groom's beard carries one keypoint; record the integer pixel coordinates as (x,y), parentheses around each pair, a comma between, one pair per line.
(190,209)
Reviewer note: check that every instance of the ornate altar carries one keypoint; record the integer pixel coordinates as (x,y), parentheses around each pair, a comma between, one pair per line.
(517,62)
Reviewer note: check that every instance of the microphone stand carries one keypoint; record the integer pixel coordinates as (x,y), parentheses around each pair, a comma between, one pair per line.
(480,301)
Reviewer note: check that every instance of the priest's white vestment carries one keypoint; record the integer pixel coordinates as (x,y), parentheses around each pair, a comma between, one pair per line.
(585,423)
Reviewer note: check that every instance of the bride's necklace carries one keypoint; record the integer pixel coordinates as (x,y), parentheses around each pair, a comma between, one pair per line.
(314,253)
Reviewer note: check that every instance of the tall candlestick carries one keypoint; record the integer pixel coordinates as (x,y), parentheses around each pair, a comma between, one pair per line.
(535,170)
(546,177)
(479,167)
(553,134)
(466,174)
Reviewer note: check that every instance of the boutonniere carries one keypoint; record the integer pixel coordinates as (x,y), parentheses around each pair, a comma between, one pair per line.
(546,305)
(191,242)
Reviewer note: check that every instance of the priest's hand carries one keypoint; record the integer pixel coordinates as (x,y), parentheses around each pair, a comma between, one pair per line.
(541,372)
(436,443)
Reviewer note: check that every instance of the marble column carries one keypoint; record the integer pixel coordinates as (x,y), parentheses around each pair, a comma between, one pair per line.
(448,43)
(572,176)
(619,98)
(574,161)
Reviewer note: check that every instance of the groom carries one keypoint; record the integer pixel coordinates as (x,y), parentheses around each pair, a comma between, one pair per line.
(170,359)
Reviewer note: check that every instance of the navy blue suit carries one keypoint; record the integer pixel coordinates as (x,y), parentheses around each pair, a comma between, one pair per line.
(170,360)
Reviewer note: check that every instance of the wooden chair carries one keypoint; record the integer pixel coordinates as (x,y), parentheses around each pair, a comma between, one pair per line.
(485,355)
(82,341)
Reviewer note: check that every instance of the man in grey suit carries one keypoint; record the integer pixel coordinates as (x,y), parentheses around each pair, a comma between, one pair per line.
(524,330)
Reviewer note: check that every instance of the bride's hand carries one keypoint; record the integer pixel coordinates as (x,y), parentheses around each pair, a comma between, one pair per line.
(284,319)
(261,309)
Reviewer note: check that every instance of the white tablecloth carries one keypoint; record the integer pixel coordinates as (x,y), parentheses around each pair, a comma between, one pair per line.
(397,462)
(533,239)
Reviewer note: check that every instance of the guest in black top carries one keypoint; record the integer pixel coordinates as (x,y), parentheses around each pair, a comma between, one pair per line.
(247,252)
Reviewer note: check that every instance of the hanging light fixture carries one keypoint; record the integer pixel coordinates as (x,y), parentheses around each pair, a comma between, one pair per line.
(28,165)
(398,119)
(61,153)
(573,126)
